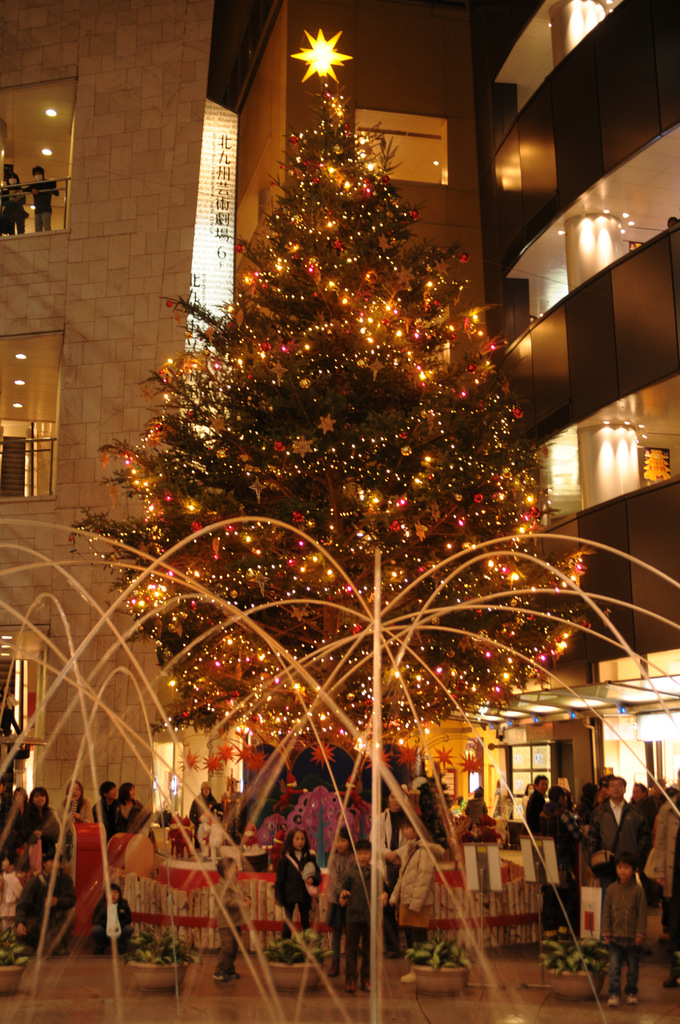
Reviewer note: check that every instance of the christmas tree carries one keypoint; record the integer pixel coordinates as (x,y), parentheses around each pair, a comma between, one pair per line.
(347,400)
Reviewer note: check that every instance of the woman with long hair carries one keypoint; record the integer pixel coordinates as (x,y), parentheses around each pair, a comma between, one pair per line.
(76,805)
(39,825)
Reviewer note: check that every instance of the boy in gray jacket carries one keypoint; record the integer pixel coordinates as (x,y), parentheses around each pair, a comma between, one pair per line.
(356,896)
(229,903)
(624,927)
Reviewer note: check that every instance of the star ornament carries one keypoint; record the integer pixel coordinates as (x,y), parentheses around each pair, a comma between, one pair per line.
(321,56)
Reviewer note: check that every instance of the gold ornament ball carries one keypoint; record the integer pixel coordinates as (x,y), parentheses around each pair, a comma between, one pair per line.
(361,362)
(304,383)
(406,450)
(458,497)
(221,453)
(233,594)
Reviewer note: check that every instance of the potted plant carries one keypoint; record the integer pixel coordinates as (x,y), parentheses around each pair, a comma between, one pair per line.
(441,966)
(294,963)
(14,956)
(575,970)
(157,960)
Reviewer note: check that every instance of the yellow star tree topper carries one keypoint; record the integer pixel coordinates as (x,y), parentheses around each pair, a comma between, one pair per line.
(321,56)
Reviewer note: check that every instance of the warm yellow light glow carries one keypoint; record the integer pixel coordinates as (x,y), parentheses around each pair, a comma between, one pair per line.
(321,56)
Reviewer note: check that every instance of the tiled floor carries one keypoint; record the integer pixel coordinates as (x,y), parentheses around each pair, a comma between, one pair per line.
(83,989)
(92,990)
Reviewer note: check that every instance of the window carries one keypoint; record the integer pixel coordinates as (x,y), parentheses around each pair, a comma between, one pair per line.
(417,143)
(29,366)
(38,124)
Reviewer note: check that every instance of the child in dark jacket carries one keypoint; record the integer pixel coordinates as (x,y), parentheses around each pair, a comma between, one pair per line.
(100,919)
(291,889)
(356,897)
(230,900)
(624,927)
(341,858)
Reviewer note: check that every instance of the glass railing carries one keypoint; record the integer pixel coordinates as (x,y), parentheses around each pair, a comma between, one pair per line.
(26,467)
(18,213)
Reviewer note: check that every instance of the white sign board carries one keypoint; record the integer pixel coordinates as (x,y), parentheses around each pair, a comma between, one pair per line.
(212,265)
(483,867)
(539,860)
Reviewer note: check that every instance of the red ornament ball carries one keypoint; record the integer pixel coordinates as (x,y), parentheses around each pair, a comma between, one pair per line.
(395,526)
(279,446)
(479,498)
(239,247)
(413,214)
(472,367)
(463,257)
(517,412)
(169,303)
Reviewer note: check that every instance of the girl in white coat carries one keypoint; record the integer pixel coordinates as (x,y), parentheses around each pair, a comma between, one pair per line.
(413,894)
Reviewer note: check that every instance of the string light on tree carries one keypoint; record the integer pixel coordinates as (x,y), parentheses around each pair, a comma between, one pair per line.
(349,393)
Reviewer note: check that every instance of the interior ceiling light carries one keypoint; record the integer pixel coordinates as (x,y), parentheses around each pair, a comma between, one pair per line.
(631,223)
(17,405)
(5,636)
(19,355)
(606,211)
(46,152)
(625,215)
(51,112)
(19,381)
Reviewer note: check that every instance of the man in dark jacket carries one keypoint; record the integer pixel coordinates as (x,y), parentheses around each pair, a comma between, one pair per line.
(616,826)
(100,920)
(106,808)
(536,804)
(31,907)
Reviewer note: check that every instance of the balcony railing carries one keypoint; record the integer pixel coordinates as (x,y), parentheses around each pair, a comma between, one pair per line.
(19,219)
(26,467)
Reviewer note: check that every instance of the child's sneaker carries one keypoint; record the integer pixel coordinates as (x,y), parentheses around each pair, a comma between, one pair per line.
(221,976)
(614,1001)
(631,999)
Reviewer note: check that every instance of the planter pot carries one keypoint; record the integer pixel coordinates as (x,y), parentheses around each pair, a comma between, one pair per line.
(10,978)
(568,985)
(155,977)
(294,977)
(447,981)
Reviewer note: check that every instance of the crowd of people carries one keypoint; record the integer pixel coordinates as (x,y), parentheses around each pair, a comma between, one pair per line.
(602,839)
(32,873)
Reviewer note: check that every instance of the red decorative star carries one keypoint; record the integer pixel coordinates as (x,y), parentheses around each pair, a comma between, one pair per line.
(472,764)
(385,757)
(407,755)
(443,758)
(213,762)
(323,753)
(254,759)
(190,760)
(228,752)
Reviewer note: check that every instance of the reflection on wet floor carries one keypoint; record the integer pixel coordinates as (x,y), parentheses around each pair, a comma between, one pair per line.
(82,988)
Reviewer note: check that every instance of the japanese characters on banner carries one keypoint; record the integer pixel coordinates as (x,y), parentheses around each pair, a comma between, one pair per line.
(212,269)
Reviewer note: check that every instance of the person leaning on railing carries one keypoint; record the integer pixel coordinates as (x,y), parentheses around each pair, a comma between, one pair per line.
(42,199)
(13,213)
